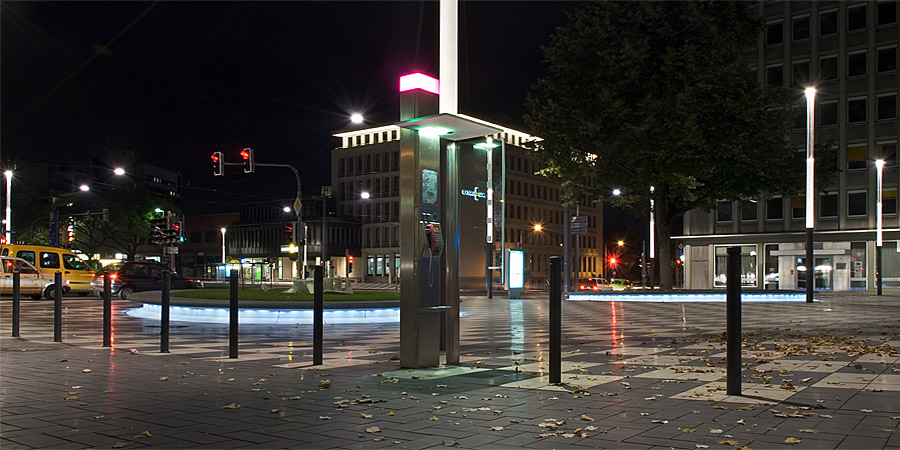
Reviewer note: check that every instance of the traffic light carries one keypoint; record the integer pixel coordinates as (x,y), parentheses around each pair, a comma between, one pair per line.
(218,164)
(289,233)
(349,264)
(159,229)
(247,160)
(613,262)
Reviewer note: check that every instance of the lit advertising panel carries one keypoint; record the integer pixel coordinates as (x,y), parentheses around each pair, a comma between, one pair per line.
(516,269)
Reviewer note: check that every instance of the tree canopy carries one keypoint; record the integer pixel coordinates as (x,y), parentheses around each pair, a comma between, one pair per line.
(642,94)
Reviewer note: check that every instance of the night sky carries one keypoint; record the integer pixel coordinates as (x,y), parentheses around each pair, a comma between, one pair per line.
(175,81)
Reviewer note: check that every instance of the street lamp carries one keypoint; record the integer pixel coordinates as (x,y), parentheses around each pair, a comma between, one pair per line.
(84,188)
(223,248)
(810,192)
(879,171)
(364,195)
(119,171)
(286,209)
(356,118)
(8,174)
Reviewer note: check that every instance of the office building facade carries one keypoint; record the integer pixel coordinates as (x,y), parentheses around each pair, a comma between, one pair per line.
(848,52)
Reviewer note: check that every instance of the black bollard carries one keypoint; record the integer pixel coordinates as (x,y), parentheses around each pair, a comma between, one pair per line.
(16,291)
(233,316)
(878,280)
(318,313)
(555,319)
(733,313)
(57,307)
(166,303)
(107,310)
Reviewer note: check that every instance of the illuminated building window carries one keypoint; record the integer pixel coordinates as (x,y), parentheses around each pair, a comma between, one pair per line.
(857,157)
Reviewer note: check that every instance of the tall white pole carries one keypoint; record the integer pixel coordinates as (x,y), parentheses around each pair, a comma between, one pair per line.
(810,192)
(305,237)
(652,235)
(449,26)
(810,157)
(223,245)
(879,172)
(8,174)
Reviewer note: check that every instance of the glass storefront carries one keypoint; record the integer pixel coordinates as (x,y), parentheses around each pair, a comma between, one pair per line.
(823,273)
(890,263)
(771,267)
(748,266)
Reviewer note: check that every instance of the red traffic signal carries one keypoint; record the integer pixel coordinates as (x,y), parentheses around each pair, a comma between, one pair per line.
(218,164)
(613,261)
(247,160)
(351,259)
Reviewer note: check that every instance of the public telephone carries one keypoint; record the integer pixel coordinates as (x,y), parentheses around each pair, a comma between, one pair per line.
(434,238)
(434,243)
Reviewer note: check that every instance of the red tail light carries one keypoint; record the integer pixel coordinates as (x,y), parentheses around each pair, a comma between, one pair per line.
(113,276)
(581,287)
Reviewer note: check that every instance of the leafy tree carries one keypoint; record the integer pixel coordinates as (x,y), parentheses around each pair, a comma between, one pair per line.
(642,94)
(132,211)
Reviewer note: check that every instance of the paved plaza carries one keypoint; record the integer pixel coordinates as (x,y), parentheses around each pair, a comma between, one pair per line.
(636,376)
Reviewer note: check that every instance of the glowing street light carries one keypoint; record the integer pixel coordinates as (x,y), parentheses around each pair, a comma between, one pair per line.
(810,191)
(617,192)
(286,209)
(879,172)
(356,118)
(364,195)
(119,171)
(84,188)
(538,227)
(620,243)
(8,174)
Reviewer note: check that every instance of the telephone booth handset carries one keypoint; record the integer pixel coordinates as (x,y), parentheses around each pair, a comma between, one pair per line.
(434,238)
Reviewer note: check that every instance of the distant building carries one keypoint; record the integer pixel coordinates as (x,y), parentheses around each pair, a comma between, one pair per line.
(848,51)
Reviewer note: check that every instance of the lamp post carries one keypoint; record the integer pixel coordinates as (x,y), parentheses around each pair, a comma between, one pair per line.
(118,171)
(8,174)
(652,234)
(223,246)
(810,193)
(879,172)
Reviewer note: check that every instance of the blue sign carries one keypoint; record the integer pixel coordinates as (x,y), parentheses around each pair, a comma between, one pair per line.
(54,228)
(474,193)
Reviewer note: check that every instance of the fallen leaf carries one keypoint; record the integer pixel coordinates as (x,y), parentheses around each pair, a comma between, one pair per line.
(275,411)
(119,445)
(85,370)
(688,430)
(365,416)
(133,351)
(496,428)
(701,446)
(372,429)
(296,397)
(587,418)
(792,440)
(740,422)
(390,413)
(433,418)
(324,384)
(806,380)
(72,397)
(808,430)
(231,406)
(378,439)
(163,378)
(730,442)
(324,417)
(866,410)
(449,443)
(720,407)
(715,431)
(146,434)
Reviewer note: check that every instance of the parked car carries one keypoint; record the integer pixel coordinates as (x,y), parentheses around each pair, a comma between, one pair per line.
(136,276)
(593,284)
(50,260)
(32,281)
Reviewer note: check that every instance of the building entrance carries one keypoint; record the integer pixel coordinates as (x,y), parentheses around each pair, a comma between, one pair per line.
(823,274)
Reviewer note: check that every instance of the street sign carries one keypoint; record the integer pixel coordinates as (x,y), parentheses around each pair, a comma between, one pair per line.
(578,225)
(297,206)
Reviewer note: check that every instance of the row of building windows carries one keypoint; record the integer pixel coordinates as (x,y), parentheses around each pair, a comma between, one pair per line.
(857,18)
(375,237)
(856,67)
(372,138)
(858,155)
(857,206)
(372,163)
(374,187)
(857,111)
(371,212)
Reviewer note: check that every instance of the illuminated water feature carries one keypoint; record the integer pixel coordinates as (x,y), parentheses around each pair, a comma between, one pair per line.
(270,316)
(688,297)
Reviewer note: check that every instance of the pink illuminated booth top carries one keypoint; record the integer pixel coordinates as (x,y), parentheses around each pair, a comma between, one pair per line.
(420,81)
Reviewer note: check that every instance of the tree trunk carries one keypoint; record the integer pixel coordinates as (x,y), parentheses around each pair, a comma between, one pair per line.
(663,241)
